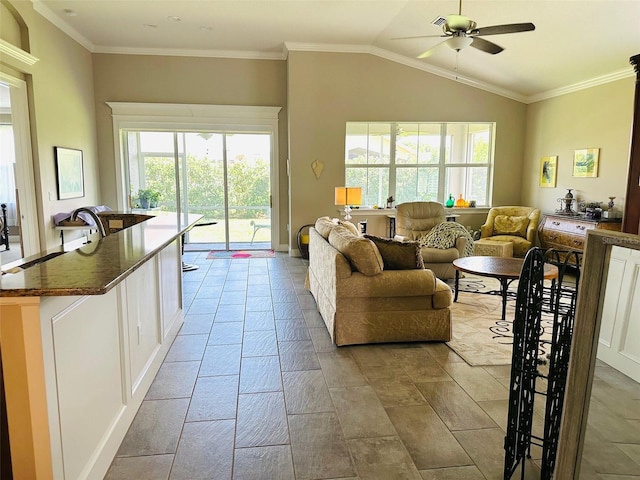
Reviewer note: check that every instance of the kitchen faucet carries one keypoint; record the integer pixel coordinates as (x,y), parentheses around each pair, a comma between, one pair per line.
(92,214)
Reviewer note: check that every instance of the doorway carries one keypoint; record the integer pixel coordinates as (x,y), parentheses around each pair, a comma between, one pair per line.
(223,174)
(18,215)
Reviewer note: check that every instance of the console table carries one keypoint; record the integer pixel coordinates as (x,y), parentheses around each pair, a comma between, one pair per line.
(568,232)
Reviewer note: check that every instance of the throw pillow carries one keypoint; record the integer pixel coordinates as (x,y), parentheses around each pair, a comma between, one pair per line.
(350,226)
(361,252)
(510,225)
(398,255)
(324,225)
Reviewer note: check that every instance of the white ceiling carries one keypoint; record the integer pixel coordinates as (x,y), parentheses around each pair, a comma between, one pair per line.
(575,43)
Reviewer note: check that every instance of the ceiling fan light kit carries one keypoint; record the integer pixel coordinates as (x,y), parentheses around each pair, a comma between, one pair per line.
(460,32)
(459,42)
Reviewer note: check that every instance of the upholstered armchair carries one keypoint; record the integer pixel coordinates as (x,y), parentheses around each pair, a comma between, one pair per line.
(517,225)
(414,220)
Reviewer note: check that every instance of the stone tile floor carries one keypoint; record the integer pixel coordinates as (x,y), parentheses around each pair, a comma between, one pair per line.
(253,388)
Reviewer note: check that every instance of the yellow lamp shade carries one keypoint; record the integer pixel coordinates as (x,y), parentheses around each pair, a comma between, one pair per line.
(348,195)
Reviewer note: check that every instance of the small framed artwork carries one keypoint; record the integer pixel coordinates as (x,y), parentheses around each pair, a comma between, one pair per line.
(69,173)
(585,162)
(548,171)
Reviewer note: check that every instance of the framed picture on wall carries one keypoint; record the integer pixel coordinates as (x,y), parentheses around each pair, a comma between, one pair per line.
(585,162)
(548,171)
(69,173)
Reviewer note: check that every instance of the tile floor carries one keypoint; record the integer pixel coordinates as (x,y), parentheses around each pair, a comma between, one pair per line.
(252,388)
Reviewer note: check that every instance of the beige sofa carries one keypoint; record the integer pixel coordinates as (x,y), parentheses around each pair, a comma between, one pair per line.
(380,305)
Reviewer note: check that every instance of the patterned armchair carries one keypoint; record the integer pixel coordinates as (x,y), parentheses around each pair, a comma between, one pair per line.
(517,225)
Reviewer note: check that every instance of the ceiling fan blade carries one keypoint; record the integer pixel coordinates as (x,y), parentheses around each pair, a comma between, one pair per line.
(486,45)
(419,36)
(500,29)
(430,52)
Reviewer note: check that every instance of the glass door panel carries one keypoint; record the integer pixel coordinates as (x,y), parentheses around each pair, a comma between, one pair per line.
(248,183)
(223,176)
(204,189)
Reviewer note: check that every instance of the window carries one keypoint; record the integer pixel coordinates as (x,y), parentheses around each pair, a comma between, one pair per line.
(419,161)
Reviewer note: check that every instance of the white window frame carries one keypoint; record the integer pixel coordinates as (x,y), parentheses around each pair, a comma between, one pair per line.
(442,165)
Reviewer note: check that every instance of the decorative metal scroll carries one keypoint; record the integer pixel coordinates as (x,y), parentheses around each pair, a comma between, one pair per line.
(524,361)
(526,367)
(564,309)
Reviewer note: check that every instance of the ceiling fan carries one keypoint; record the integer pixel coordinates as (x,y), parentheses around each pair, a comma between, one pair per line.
(460,32)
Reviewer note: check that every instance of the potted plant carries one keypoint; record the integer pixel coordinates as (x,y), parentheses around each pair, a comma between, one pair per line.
(154,197)
(144,197)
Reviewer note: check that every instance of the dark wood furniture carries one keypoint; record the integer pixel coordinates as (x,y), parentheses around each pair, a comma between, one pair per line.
(505,270)
(4,228)
(565,232)
(632,201)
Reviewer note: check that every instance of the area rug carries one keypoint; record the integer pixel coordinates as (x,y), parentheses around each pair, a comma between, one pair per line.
(215,254)
(479,335)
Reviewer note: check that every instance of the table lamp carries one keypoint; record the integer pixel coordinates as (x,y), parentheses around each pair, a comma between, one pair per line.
(348,196)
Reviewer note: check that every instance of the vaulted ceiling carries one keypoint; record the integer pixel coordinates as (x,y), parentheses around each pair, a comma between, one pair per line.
(575,43)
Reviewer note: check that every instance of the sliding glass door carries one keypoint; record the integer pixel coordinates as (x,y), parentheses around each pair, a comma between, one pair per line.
(223,175)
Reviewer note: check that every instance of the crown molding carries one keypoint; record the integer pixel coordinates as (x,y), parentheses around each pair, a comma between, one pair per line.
(51,16)
(576,87)
(168,52)
(409,62)
(309,47)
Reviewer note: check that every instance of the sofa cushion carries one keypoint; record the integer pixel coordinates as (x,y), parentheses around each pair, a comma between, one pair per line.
(520,245)
(361,252)
(324,225)
(350,226)
(510,225)
(443,297)
(439,255)
(398,255)
(396,284)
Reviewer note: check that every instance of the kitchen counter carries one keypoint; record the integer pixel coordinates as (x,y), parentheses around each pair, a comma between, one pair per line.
(82,336)
(95,268)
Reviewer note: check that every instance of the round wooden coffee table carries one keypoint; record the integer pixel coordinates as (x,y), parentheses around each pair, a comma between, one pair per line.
(505,270)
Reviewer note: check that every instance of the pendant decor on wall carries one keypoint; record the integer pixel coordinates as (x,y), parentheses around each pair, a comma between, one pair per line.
(317,166)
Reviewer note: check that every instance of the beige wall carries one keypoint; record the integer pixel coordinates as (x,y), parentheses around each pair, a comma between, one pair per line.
(320,92)
(62,114)
(599,117)
(328,89)
(214,81)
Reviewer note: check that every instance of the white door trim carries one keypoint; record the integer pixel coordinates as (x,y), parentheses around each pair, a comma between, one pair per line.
(25,178)
(173,116)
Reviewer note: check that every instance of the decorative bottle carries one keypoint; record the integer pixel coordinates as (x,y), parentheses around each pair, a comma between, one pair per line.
(449,203)
(460,202)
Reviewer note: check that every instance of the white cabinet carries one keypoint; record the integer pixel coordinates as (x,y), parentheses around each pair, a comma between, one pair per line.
(619,342)
(101,354)
(142,320)
(170,271)
(88,380)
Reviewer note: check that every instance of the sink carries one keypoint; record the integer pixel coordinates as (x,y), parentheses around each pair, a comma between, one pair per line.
(43,259)
(116,221)
(31,263)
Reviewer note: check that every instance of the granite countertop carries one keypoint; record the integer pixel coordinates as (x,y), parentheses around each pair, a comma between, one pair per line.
(95,268)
